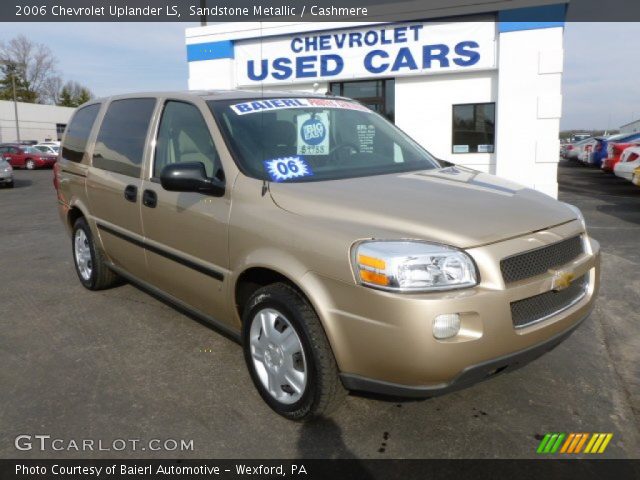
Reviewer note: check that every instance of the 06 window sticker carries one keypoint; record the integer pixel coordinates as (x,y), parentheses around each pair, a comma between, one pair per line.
(287,168)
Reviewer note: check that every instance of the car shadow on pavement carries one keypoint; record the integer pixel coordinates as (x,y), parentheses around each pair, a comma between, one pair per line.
(322,439)
(21,183)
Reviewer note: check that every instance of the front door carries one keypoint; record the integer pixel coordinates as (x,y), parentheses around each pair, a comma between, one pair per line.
(186,233)
(114,181)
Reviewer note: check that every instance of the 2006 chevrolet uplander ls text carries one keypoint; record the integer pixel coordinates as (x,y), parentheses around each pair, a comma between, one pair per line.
(340,253)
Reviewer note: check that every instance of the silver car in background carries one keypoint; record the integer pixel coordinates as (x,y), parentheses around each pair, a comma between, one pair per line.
(6,173)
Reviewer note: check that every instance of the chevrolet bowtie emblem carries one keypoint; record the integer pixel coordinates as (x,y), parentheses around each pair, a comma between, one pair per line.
(561,280)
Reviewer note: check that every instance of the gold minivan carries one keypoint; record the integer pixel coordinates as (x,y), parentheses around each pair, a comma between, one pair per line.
(334,248)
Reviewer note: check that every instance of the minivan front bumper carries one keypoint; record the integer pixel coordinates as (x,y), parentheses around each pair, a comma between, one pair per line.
(469,376)
(383,342)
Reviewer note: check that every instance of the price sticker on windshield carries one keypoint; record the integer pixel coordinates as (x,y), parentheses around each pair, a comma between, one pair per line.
(313,134)
(287,168)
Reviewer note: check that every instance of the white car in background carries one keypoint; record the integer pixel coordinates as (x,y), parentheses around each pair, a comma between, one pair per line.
(576,151)
(586,150)
(47,148)
(573,150)
(629,161)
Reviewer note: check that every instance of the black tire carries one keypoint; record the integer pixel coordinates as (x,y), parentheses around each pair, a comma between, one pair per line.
(323,392)
(10,184)
(101,276)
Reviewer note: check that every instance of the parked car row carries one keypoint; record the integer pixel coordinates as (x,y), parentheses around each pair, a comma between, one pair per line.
(30,157)
(618,154)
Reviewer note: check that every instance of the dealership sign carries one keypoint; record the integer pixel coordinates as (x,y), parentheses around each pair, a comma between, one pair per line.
(375,51)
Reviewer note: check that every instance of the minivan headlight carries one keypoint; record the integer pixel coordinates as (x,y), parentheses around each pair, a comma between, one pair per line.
(412,266)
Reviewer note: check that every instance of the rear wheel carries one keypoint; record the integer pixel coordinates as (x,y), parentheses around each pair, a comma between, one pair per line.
(90,262)
(10,184)
(288,355)
(30,164)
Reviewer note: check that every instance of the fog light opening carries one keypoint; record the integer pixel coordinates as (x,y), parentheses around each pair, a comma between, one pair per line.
(446,326)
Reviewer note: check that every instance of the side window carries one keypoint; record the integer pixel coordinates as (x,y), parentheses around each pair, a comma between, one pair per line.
(183,136)
(75,142)
(120,143)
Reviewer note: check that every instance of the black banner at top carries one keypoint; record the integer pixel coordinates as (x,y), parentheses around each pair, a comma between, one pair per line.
(208,11)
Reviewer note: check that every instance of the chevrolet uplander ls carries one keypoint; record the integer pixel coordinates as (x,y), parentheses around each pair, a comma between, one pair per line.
(336,250)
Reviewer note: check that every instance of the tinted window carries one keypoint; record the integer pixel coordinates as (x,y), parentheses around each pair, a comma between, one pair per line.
(120,143)
(75,141)
(474,128)
(183,136)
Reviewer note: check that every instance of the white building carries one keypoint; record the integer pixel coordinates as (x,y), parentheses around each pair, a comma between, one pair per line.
(484,91)
(35,121)
(632,127)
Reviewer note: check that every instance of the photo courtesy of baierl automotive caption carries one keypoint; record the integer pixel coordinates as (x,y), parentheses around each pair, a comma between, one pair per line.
(65,471)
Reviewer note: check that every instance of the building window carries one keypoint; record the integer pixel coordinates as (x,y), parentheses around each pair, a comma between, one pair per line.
(378,95)
(60,130)
(474,127)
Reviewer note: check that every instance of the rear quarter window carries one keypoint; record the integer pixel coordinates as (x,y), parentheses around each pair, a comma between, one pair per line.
(120,144)
(75,140)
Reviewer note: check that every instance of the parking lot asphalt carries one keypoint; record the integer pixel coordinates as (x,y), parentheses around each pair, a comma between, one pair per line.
(119,364)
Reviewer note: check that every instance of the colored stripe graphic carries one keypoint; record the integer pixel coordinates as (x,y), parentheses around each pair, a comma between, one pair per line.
(598,442)
(573,443)
(550,443)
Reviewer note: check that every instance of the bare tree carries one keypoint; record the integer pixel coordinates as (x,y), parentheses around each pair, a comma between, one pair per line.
(33,64)
(52,89)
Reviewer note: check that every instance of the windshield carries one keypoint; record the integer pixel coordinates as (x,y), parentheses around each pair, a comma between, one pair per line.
(311,139)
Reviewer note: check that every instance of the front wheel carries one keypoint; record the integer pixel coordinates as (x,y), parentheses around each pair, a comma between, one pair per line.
(288,354)
(30,164)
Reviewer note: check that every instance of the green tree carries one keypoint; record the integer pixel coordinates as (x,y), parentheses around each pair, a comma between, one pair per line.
(73,94)
(11,75)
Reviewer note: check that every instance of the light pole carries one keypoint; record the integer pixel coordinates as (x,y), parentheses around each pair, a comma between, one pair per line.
(11,67)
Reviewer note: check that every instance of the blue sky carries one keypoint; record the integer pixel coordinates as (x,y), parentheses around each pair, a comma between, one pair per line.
(601,82)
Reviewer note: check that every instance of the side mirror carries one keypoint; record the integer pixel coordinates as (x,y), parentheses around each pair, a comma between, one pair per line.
(190,177)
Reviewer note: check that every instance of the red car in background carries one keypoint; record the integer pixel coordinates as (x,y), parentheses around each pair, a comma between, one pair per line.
(26,156)
(614,152)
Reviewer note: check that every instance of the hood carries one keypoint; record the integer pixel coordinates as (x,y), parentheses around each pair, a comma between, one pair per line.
(456,206)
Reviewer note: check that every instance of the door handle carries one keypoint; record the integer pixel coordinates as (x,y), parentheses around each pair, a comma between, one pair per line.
(149,198)
(131,193)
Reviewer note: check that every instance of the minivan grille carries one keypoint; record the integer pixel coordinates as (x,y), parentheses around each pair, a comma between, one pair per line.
(539,261)
(534,309)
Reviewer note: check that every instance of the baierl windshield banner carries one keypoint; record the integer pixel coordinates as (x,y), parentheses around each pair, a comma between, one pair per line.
(387,50)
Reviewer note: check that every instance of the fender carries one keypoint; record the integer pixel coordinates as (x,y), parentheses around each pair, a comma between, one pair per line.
(295,271)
